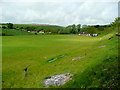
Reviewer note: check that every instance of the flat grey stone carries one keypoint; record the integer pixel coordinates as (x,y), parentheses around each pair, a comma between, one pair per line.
(76,58)
(57,80)
(102,46)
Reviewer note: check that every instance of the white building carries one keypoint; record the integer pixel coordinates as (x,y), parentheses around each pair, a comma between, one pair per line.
(41,32)
(94,34)
(83,33)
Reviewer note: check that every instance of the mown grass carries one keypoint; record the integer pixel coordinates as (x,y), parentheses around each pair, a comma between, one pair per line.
(20,51)
(102,75)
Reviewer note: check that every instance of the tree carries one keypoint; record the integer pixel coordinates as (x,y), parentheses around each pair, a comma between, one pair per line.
(92,30)
(78,27)
(30,28)
(64,31)
(84,28)
(69,28)
(116,21)
(38,29)
(73,29)
(10,25)
(4,27)
(35,33)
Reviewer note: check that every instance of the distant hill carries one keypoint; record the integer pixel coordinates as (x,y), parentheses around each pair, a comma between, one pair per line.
(37,25)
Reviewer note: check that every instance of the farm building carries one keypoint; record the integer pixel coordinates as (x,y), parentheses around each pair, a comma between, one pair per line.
(87,34)
(32,31)
(83,33)
(94,35)
(41,32)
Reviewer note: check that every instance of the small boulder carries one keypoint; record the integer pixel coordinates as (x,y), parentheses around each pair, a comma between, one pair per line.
(57,80)
(102,46)
(76,58)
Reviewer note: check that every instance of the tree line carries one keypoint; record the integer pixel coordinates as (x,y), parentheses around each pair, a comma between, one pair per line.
(70,29)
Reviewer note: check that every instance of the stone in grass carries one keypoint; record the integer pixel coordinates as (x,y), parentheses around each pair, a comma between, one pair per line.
(57,80)
(102,46)
(76,58)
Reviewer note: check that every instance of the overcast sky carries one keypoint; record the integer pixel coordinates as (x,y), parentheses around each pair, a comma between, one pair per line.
(62,12)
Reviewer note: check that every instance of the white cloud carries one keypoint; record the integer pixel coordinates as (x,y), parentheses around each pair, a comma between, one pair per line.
(59,1)
(60,13)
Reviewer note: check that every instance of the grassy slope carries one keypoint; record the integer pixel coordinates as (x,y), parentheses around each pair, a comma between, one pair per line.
(103,75)
(12,32)
(38,25)
(19,51)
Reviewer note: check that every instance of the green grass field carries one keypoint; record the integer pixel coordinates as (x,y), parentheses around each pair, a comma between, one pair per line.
(12,32)
(36,50)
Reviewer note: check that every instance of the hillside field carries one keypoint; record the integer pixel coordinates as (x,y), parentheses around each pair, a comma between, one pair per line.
(12,32)
(35,51)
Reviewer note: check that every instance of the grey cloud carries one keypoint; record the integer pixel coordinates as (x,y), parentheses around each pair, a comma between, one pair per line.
(63,13)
